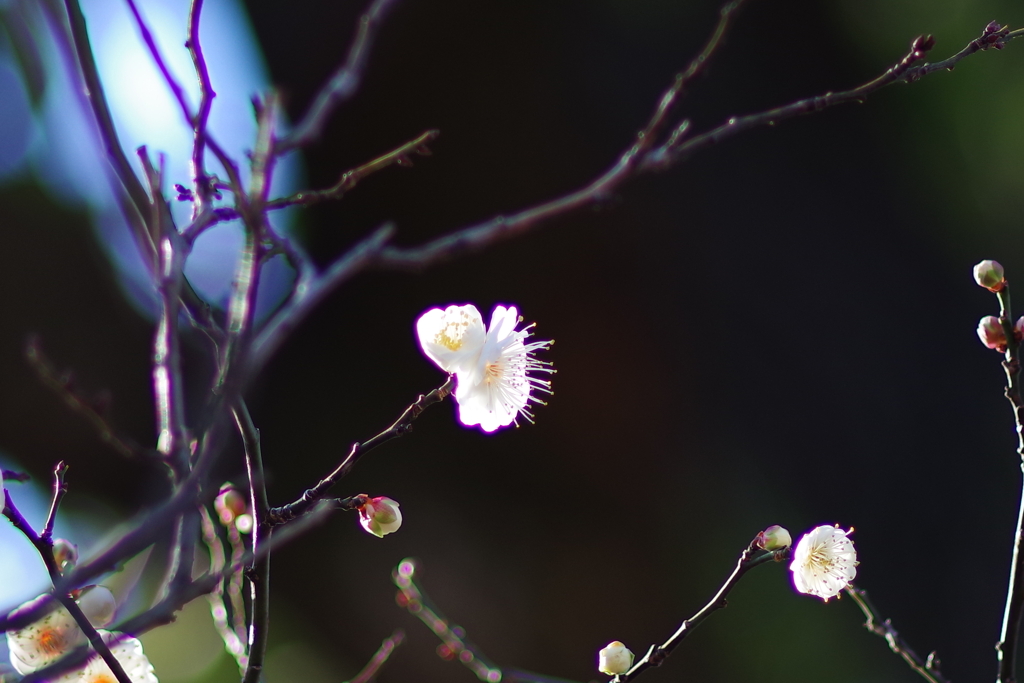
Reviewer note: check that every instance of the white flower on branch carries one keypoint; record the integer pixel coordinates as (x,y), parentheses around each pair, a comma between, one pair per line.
(127,651)
(824,562)
(614,659)
(495,371)
(380,516)
(48,639)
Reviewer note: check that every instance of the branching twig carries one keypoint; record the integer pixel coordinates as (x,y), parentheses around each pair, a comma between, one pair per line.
(343,83)
(202,116)
(642,156)
(401,426)
(928,668)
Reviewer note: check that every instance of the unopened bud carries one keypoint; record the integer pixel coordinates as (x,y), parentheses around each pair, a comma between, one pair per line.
(991,333)
(65,553)
(774,538)
(990,275)
(380,516)
(229,504)
(244,523)
(614,659)
(98,604)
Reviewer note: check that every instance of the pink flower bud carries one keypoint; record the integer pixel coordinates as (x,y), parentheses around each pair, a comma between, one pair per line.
(774,538)
(229,504)
(614,659)
(380,516)
(991,333)
(989,274)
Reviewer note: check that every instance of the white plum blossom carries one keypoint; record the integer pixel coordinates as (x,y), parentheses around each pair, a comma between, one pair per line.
(51,637)
(129,654)
(495,370)
(615,658)
(380,516)
(824,562)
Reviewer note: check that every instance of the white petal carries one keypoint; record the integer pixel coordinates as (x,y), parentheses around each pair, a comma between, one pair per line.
(452,337)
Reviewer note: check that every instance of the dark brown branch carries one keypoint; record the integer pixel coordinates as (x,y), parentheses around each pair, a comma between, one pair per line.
(343,83)
(928,668)
(642,156)
(92,409)
(44,546)
(380,658)
(60,488)
(1009,635)
(402,426)
(259,573)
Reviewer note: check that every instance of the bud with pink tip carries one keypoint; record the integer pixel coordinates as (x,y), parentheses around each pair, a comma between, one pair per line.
(991,333)
(614,659)
(990,275)
(774,538)
(380,516)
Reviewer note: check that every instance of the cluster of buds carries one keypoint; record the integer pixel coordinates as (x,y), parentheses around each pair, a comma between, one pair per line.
(991,330)
(233,509)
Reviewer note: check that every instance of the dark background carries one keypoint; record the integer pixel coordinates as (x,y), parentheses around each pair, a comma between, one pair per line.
(780,331)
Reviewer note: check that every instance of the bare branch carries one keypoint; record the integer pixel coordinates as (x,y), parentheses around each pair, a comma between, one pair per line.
(380,658)
(343,83)
(202,116)
(928,668)
(60,488)
(402,426)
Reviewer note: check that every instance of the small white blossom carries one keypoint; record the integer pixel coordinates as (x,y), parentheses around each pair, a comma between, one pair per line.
(380,516)
(614,659)
(824,562)
(127,651)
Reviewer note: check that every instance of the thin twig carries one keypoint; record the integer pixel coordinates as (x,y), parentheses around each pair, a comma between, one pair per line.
(401,426)
(343,83)
(206,94)
(751,557)
(60,489)
(1006,647)
(380,658)
(928,668)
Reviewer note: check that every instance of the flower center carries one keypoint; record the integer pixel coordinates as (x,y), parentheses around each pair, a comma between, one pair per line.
(453,333)
(51,641)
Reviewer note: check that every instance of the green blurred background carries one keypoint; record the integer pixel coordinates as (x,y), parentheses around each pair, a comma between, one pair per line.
(780,331)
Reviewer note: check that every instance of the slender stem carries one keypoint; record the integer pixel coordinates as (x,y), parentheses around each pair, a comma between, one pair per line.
(928,668)
(259,573)
(751,557)
(60,488)
(202,116)
(401,426)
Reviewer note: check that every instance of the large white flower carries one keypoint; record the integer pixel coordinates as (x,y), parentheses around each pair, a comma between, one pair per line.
(495,371)
(127,651)
(48,639)
(824,562)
